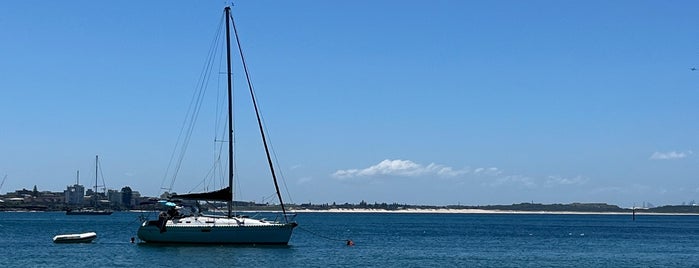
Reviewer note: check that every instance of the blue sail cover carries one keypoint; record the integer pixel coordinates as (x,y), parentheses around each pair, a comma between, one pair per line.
(166,203)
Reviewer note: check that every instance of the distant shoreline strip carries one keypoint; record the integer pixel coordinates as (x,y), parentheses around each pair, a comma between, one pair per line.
(484,211)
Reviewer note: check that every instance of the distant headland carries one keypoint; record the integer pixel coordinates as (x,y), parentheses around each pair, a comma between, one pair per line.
(531,208)
(128,200)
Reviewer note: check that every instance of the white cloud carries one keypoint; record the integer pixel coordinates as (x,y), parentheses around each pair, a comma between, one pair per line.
(670,155)
(487,171)
(401,168)
(558,180)
(490,176)
(513,180)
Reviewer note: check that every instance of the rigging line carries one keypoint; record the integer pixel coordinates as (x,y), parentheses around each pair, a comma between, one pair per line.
(204,77)
(257,113)
(140,219)
(276,161)
(199,99)
(220,121)
(208,174)
(3,180)
(222,132)
(218,166)
(221,112)
(218,130)
(238,187)
(271,145)
(185,121)
(104,184)
(321,236)
(218,110)
(264,198)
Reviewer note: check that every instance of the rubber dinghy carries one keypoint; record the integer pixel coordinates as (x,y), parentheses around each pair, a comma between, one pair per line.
(75,238)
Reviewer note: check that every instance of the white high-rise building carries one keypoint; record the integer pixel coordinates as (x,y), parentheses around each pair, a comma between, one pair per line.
(74,194)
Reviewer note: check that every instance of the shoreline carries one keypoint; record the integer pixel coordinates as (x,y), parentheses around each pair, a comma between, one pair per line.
(483,211)
(429,211)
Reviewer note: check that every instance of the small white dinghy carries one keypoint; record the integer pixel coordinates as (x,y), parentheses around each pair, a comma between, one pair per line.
(75,238)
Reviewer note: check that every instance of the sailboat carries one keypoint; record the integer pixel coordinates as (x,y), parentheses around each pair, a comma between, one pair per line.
(94,210)
(231,228)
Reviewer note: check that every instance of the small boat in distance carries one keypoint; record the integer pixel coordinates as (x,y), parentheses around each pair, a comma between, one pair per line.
(75,238)
(88,212)
(95,198)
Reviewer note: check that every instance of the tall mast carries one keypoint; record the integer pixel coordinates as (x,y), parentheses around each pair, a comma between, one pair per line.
(96,163)
(230,111)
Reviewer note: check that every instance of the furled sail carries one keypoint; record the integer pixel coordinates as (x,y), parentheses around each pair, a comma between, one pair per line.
(220,195)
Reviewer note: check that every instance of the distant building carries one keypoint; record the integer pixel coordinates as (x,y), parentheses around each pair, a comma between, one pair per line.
(126,197)
(135,195)
(23,192)
(75,194)
(114,197)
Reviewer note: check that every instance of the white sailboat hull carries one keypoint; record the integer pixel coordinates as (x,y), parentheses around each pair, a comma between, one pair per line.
(214,230)
(220,230)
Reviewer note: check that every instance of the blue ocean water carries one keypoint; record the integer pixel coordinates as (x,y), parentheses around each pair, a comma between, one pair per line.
(381,239)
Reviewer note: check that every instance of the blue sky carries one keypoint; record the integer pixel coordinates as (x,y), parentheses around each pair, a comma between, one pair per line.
(439,102)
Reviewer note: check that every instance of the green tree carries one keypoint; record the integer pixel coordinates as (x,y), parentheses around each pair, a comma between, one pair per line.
(126,195)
